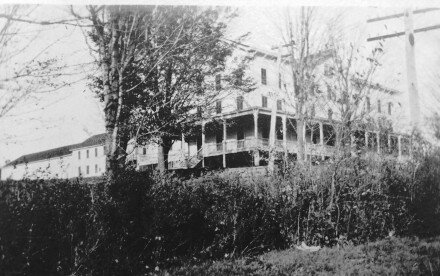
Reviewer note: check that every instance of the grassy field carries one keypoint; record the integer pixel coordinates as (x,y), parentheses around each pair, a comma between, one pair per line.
(391,256)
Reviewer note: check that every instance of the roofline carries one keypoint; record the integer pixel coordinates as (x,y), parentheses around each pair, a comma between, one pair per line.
(39,160)
(265,53)
(89,146)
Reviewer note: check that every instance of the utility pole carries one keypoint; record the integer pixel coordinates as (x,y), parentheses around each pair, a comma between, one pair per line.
(273,117)
(411,73)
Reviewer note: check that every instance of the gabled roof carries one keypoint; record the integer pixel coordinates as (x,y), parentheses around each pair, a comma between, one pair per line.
(42,155)
(95,140)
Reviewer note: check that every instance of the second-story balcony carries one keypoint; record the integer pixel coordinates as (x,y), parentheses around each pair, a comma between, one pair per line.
(251,144)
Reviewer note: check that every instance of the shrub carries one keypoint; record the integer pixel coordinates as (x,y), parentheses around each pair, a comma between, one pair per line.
(144,221)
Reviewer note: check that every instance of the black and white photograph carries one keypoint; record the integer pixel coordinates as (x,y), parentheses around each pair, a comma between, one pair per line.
(219,137)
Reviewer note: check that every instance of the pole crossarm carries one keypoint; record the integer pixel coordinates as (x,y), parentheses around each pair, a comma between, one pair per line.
(400,15)
(425,29)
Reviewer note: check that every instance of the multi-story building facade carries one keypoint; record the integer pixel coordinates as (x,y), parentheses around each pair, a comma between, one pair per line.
(85,159)
(237,129)
(235,132)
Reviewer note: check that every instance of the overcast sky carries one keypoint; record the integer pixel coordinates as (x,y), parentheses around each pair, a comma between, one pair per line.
(72,114)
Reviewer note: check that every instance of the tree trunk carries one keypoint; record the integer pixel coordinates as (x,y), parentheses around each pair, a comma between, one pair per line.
(163,149)
(161,164)
(300,139)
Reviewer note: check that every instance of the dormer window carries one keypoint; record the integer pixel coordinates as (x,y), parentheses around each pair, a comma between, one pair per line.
(379,107)
(390,106)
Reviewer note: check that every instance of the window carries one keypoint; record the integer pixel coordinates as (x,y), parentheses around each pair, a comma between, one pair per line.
(368,104)
(383,142)
(239,102)
(199,111)
(218,82)
(312,111)
(218,107)
(372,141)
(264,101)
(329,135)
(279,80)
(394,145)
(263,76)
(312,133)
(79,154)
(279,104)
(79,171)
(359,139)
(238,77)
(96,168)
(219,141)
(240,134)
(87,153)
(87,170)
(379,108)
(144,151)
(330,114)
(405,145)
(96,152)
(390,105)
(329,93)
(279,129)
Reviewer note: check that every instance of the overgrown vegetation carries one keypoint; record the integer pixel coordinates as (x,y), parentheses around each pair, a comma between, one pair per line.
(390,256)
(144,222)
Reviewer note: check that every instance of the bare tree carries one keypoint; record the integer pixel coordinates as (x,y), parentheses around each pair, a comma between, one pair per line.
(305,55)
(350,85)
(20,78)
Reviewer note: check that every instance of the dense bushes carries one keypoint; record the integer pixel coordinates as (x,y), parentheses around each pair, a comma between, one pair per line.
(143,221)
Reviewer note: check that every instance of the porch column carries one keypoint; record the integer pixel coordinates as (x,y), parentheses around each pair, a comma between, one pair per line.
(353,151)
(284,118)
(256,152)
(224,143)
(183,141)
(399,145)
(203,144)
(304,132)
